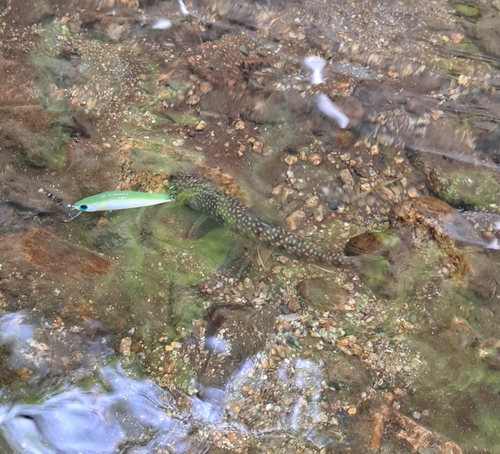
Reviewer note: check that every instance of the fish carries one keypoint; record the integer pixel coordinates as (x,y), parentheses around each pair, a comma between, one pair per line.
(203,196)
(120,200)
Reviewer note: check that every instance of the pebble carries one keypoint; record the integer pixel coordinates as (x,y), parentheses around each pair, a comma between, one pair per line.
(293,305)
(257,147)
(334,204)
(315,159)
(201,126)
(412,193)
(125,345)
(318,214)
(311,202)
(247,283)
(346,177)
(295,220)
(239,126)
(463,80)
(290,160)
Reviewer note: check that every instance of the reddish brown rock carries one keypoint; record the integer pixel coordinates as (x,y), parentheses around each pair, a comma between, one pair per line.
(57,256)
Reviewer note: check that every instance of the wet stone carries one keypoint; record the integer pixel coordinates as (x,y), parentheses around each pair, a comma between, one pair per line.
(241,332)
(487,34)
(346,177)
(334,204)
(323,294)
(56,256)
(295,220)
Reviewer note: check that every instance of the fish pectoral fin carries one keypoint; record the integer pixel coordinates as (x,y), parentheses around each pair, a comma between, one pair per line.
(326,269)
(196,226)
(374,266)
(263,254)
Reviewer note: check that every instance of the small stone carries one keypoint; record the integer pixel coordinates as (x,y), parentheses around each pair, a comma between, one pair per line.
(334,204)
(315,334)
(315,159)
(311,202)
(343,342)
(277,269)
(436,114)
(356,350)
(193,100)
(318,214)
(240,151)
(412,193)
(346,177)
(293,305)
(282,259)
(239,126)
(463,80)
(257,146)
(295,220)
(388,398)
(101,222)
(345,157)
(374,150)
(125,345)
(457,37)
(201,126)
(247,283)
(291,160)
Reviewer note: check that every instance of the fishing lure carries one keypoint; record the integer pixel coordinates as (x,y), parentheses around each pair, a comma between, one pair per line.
(203,196)
(119,200)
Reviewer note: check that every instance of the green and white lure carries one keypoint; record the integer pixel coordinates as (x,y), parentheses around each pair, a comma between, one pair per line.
(119,200)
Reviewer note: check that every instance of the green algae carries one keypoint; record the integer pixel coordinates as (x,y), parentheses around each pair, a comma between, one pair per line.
(452,378)
(476,189)
(157,265)
(156,153)
(467,10)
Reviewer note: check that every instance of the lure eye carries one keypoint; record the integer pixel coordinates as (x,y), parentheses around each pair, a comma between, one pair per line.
(84,207)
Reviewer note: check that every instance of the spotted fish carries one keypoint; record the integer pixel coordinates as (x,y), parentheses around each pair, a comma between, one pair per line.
(203,196)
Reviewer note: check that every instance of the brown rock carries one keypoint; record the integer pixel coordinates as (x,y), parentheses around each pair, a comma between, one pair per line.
(56,256)
(323,294)
(293,305)
(346,177)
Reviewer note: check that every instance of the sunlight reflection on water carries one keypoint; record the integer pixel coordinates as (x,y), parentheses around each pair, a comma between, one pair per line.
(122,414)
